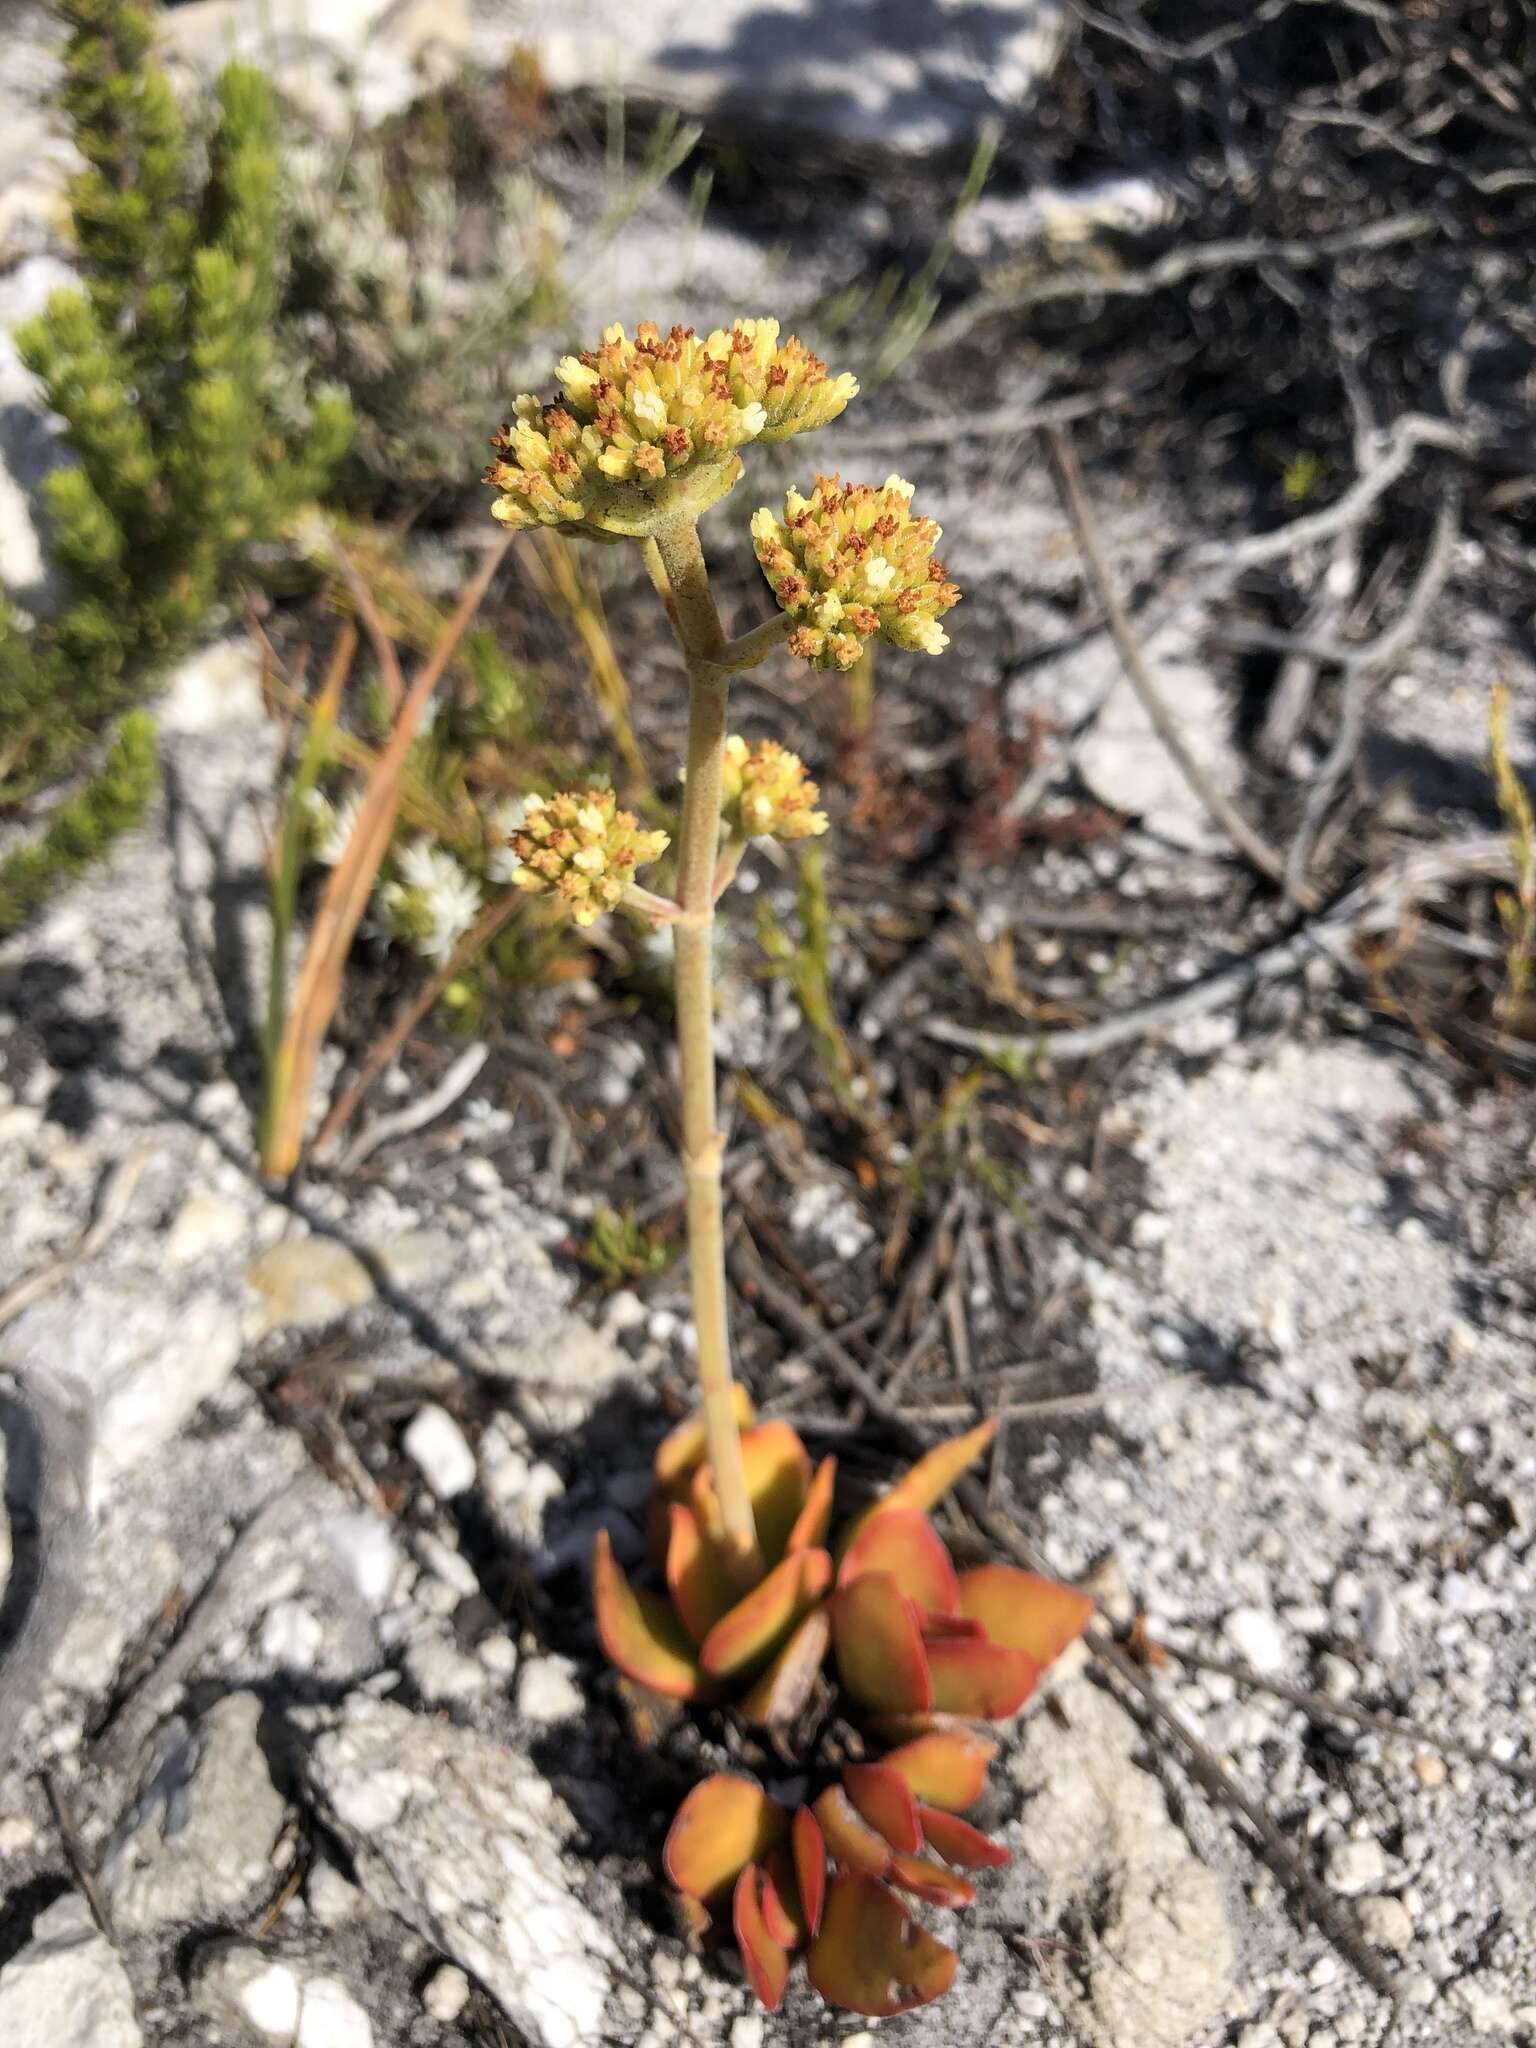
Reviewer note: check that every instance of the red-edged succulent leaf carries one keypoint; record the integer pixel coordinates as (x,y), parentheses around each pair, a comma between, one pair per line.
(815,1517)
(905,1543)
(884,1798)
(927,1482)
(880,1652)
(783,1914)
(949,1624)
(809,1848)
(947,1770)
(958,1842)
(682,1450)
(851,1841)
(698,1578)
(725,1823)
(1023,1611)
(979,1679)
(766,1960)
(641,1634)
(755,1627)
(930,1881)
(778,1469)
(781,1694)
(871,1956)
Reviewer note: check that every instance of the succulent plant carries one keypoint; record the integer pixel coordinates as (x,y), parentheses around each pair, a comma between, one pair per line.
(922,1652)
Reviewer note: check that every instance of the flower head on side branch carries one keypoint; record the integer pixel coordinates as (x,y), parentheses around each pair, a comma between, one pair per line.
(580,848)
(648,429)
(765,793)
(852,564)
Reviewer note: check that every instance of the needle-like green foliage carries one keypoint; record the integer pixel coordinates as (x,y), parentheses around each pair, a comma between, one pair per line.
(185,455)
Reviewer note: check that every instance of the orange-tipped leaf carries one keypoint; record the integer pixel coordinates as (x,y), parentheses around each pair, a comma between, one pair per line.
(698,1577)
(815,1517)
(1023,1611)
(683,1449)
(755,1627)
(947,1769)
(903,1542)
(766,1960)
(880,1651)
(930,1881)
(958,1842)
(781,1695)
(981,1680)
(871,1956)
(809,1848)
(640,1633)
(725,1823)
(851,1842)
(884,1798)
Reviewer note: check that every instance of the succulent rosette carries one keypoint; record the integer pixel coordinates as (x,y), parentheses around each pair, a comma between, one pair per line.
(921,1652)
(851,564)
(649,429)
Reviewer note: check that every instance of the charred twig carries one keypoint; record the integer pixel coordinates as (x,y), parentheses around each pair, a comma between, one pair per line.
(1074,499)
(1363,667)
(1208,1770)
(1195,260)
(1374,905)
(1329,1708)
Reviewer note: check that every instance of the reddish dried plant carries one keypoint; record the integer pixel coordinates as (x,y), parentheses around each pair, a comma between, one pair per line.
(922,1653)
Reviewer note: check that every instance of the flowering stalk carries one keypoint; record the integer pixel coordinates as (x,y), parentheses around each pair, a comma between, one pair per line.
(697,625)
(645,437)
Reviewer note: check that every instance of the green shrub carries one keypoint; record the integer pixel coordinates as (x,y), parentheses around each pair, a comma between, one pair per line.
(187,455)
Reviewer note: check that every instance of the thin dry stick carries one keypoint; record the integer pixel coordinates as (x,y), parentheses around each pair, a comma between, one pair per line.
(386,1047)
(1074,499)
(1377,904)
(346,894)
(1326,1705)
(692,610)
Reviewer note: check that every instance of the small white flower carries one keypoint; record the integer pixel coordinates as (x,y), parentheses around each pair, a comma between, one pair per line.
(433,900)
(336,822)
(505,817)
(753,418)
(648,409)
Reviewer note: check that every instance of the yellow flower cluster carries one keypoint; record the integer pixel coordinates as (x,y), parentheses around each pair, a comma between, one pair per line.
(765,793)
(648,429)
(583,850)
(850,562)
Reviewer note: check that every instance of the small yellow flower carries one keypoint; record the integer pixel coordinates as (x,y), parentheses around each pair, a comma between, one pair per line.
(582,850)
(649,429)
(765,793)
(849,563)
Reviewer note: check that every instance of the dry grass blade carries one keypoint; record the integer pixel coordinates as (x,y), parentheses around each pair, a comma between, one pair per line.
(346,894)
(386,1047)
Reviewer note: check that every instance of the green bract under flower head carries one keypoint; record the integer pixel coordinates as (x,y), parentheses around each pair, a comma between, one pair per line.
(583,850)
(648,429)
(850,562)
(765,793)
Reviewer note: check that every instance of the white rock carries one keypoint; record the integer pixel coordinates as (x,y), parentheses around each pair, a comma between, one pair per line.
(205,1223)
(1256,1637)
(330,2017)
(747,2032)
(270,2001)
(17,1834)
(1157,1962)
(1386,1922)
(547,1690)
(472,1859)
(67,1988)
(332,1900)
(440,1451)
(367,1548)
(1356,1866)
(291,1636)
(445,1994)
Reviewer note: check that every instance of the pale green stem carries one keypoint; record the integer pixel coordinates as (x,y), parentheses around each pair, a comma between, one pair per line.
(693,614)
